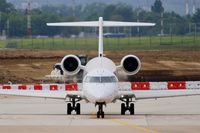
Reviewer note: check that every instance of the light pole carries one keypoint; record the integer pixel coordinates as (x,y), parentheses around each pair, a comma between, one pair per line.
(74,8)
(138,20)
(28,13)
(0,22)
(161,24)
(8,27)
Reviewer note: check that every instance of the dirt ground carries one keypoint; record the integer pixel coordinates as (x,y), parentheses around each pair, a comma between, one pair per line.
(30,66)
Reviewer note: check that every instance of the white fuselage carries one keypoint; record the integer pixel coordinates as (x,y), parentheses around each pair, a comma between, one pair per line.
(100,92)
(100,84)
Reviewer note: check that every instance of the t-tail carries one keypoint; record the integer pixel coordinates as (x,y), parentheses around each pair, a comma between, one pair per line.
(101,23)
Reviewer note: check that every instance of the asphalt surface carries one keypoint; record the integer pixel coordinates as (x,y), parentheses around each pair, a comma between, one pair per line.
(35,115)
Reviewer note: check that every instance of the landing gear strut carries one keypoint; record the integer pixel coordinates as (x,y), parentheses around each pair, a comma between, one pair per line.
(100,112)
(74,106)
(127,106)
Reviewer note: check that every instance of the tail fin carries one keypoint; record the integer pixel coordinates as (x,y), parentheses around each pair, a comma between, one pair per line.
(101,24)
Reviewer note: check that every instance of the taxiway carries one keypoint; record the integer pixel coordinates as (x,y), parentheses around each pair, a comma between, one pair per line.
(169,115)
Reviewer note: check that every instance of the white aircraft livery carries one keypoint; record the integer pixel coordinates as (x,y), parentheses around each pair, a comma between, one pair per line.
(100,84)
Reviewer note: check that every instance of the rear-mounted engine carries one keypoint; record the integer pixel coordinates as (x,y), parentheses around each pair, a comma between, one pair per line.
(131,64)
(71,64)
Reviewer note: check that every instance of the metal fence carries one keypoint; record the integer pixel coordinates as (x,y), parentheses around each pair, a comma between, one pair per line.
(173,36)
(141,42)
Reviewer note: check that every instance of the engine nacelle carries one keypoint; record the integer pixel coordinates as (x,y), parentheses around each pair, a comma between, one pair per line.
(71,64)
(131,64)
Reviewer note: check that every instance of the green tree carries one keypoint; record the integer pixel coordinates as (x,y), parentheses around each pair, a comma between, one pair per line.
(125,11)
(5,6)
(109,11)
(173,23)
(39,20)
(157,7)
(196,16)
(17,24)
(120,12)
(92,11)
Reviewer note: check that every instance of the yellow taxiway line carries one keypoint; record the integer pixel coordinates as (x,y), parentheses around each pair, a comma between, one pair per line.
(134,126)
(130,125)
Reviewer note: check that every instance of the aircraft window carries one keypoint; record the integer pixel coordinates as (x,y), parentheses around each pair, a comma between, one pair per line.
(91,79)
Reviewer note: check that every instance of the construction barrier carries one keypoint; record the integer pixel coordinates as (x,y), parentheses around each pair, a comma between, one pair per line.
(22,87)
(158,85)
(123,86)
(177,85)
(192,84)
(140,85)
(71,87)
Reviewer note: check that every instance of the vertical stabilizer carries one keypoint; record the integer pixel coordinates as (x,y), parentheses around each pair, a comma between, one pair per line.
(101,24)
(100,51)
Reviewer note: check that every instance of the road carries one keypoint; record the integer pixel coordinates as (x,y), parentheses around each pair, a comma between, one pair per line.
(35,115)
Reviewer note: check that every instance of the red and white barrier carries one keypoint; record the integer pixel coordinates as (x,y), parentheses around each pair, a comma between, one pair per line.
(158,85)
(193,84)
(123,86)
(140,85)
(178,85)
(40,87)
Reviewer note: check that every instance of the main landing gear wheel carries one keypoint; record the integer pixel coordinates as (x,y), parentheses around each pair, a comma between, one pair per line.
(74,107)
(127,107)
(123,109)
(100,113)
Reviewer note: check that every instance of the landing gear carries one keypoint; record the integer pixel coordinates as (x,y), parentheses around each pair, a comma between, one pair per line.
(100,113)
(127,106)
(74,106)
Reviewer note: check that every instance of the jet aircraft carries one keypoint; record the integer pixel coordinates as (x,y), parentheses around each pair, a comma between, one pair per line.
(100,84)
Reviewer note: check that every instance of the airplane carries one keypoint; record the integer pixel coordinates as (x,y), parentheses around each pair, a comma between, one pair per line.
(100,84)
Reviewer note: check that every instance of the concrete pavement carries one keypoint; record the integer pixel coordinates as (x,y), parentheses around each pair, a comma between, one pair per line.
(169,115)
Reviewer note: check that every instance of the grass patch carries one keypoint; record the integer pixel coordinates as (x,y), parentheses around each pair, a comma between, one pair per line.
(145,42)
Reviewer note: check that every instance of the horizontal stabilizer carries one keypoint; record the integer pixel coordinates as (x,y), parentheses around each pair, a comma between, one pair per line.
(76,24)
(126,24)
(105,24)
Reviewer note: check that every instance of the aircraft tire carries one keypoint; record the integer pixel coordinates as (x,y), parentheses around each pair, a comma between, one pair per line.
(102,114)
(69,109)
(123,109)
(131,109)
(98,114)
(78,108)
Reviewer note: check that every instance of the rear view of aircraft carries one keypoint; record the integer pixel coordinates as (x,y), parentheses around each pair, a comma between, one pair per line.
(100,84)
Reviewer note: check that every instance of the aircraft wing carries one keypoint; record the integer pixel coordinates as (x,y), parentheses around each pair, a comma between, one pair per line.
(154,90)
(54,91)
